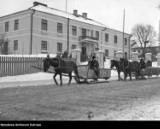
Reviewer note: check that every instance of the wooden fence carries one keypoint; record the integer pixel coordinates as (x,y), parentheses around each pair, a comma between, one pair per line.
(11,66)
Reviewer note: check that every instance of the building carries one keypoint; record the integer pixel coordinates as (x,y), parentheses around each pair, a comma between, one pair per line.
(154,50)
(41,29)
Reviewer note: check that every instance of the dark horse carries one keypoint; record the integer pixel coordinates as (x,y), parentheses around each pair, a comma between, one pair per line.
(115,63)
(129,67)
(61,66)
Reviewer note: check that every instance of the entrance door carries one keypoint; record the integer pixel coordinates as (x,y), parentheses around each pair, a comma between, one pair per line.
(84,50)
(84,54)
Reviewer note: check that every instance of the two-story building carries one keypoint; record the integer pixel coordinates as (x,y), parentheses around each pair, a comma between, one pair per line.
(42,29)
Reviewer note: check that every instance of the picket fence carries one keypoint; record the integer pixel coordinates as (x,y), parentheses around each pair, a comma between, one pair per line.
(12,66)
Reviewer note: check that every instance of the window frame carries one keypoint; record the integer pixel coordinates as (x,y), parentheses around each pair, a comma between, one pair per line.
(15,47)
(115,39)
(73,46)
(44,24)
(125,41)
(16,24)
(106,52)
(59,47)
(74,30)
(44,45)
(97,34)
(106,37)
(59,28)
(7,26)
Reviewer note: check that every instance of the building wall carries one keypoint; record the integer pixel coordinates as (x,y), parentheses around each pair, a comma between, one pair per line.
(51,35)
(22,34)
(111,46)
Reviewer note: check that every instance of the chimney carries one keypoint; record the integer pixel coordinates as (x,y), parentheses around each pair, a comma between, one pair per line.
(38,3)
(75,12)
(84,15)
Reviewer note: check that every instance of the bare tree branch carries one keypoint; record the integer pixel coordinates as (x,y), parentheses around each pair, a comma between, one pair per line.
(144,34)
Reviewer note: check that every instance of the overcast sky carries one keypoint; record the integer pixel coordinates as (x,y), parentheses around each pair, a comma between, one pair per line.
(108,12)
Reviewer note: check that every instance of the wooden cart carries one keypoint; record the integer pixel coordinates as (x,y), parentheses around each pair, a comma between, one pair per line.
(87,75)
(149,71)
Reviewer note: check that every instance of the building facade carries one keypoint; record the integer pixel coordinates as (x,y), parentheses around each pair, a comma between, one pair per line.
(41,29)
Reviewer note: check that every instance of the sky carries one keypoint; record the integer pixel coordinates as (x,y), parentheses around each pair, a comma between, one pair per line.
(109,12)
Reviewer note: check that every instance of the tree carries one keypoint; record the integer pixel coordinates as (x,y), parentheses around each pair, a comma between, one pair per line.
(3,44)
(143,35)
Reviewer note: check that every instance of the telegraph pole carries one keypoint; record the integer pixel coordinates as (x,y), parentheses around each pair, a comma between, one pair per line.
(123,30)
(66,5)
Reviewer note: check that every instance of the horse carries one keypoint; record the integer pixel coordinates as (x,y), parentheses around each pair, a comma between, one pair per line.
(115,63)
(129,67)
(61,66)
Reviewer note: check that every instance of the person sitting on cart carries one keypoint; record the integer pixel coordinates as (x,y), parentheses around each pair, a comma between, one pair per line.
(142,68)
(94,65)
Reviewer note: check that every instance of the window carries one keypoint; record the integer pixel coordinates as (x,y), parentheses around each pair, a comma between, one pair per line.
(15,45)
(44,45)
(6,26)
(106,52)
(115,38)
(74,30)
(16,24)
(106,37)
(125,41)
(97,34)
(84,32)
(59,47)
(59,27)
(44,24)
(73,47)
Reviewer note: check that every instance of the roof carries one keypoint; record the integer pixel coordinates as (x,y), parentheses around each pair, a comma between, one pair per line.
(67,15)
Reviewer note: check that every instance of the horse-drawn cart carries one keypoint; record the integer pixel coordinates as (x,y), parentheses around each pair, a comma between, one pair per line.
(65,67)
(149,71)
(87,75)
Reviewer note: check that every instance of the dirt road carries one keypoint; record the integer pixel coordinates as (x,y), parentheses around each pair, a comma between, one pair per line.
(130,100)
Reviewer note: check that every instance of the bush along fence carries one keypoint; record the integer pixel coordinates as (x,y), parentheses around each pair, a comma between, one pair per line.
(11,66)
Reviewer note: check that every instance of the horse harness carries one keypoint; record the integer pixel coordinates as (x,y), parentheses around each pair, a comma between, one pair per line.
(124,68)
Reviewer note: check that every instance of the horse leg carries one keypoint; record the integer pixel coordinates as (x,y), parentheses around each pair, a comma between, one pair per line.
(119,77)
(76,73)
(54,77)
(125,76)
(70,78)
(130,76)
(60,78)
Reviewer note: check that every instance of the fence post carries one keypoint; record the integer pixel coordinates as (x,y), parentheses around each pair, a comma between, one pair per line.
(76,53)
(148,56)
(134,56)
(158,59)
(100,58)
(118,55)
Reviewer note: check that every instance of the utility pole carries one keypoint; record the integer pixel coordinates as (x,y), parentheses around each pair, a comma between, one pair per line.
(123,30)
(66,5)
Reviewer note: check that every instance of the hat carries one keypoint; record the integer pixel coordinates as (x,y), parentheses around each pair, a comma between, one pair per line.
(93,57)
